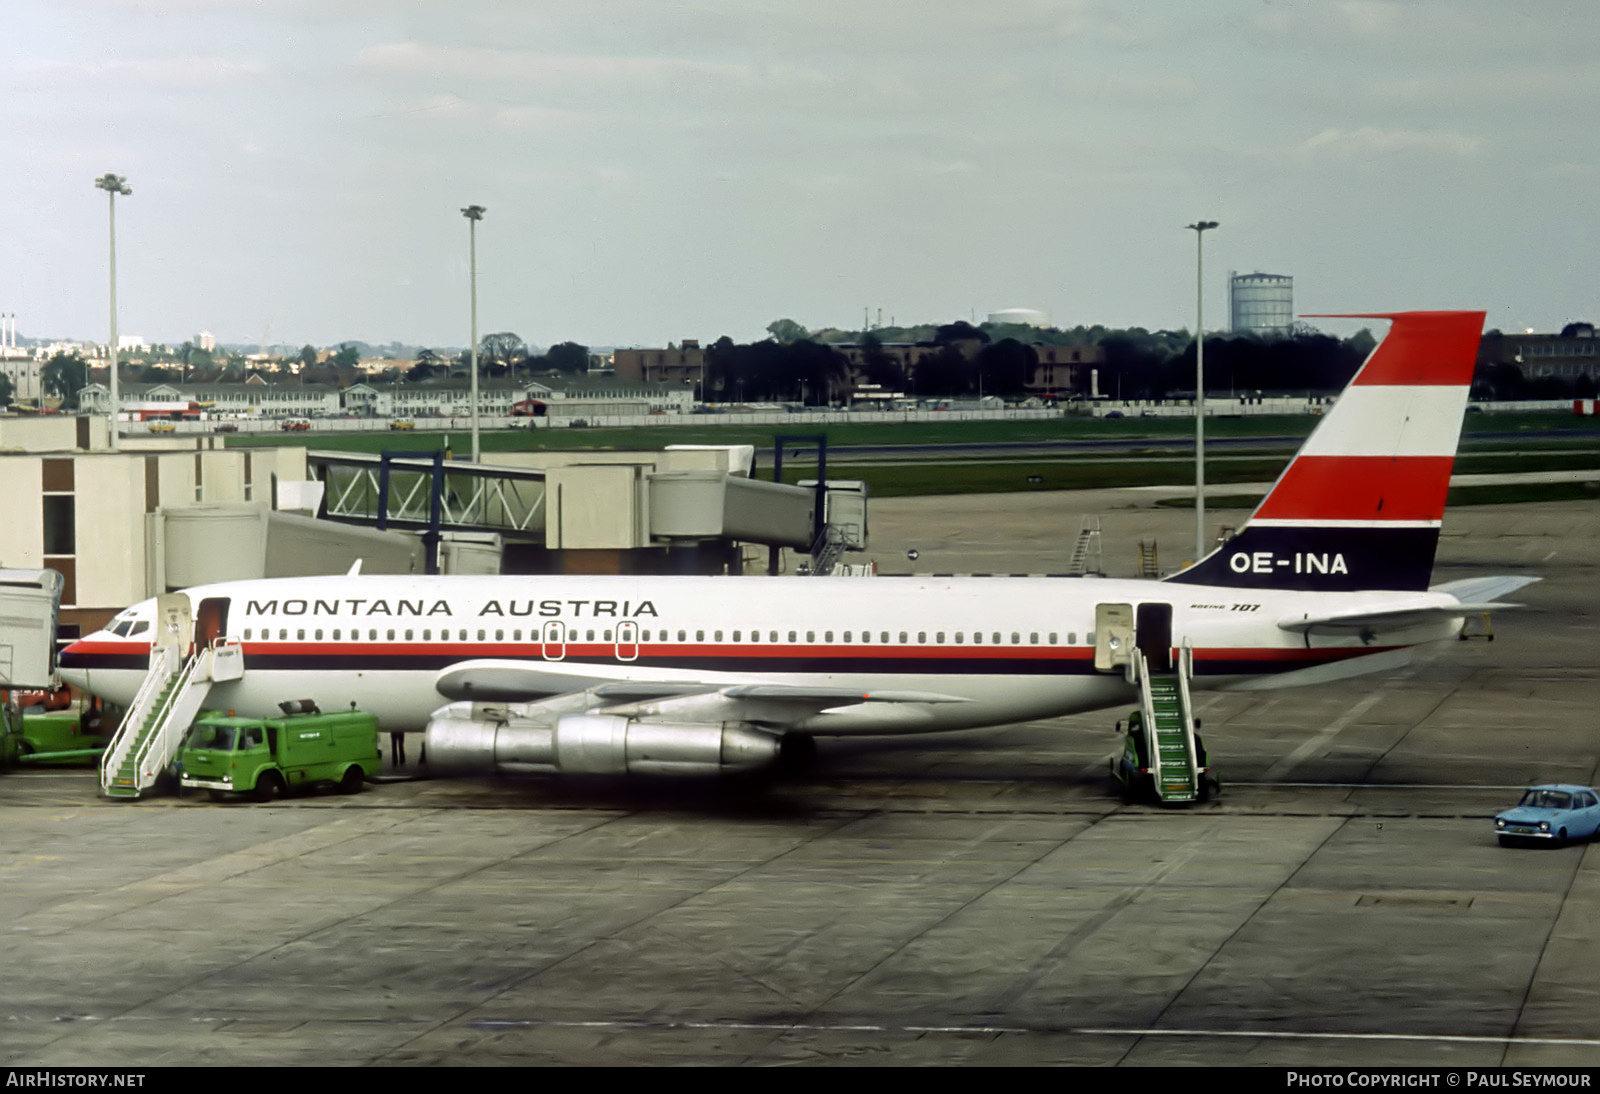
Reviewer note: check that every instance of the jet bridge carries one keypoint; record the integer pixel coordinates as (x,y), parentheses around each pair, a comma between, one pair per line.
(583,512)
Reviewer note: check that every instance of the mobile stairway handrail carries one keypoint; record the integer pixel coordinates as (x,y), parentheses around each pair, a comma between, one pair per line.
(1186,669)
(163,664)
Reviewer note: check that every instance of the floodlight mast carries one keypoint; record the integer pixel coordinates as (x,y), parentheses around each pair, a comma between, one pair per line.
(474,213)
(1200,228)
(113,185)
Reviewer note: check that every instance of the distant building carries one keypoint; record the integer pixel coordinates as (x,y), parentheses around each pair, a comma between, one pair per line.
(1027,317)
(1544,356)
(1067,370)
(206,340)
(674,365)
(132,342)
(1059,371)
(1261,303)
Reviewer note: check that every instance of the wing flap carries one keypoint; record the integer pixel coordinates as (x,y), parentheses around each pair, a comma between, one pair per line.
(795,693)
(504,681)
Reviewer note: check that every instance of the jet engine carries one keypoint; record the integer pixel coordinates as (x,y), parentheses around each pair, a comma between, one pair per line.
(478,737)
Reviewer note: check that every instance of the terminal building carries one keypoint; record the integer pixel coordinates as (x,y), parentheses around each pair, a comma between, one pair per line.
(1261,304)
(167,513)
(497,398)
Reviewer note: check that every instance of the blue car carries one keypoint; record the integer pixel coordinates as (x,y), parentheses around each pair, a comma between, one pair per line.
(1554,813)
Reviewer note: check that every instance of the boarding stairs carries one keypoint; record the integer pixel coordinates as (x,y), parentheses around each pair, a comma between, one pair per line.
(1148,565)
(1088,556)
(153,728)
(1167,719)
(828,549)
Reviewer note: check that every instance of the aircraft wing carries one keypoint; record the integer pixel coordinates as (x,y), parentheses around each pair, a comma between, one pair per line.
(1472,595)
(497,681)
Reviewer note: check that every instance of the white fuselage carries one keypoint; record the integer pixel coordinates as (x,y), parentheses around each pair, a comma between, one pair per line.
(1012,648)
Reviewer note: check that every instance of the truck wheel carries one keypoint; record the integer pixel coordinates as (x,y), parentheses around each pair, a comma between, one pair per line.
(268,786)
(354,780)
(218,795)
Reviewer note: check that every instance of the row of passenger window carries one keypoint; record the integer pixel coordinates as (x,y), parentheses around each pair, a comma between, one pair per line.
(976,638)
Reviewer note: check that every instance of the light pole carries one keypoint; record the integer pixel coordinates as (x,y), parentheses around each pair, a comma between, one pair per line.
(113,185)
(1200,227)
(474,213)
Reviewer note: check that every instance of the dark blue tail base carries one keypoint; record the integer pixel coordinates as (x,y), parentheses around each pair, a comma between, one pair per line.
(1319,559)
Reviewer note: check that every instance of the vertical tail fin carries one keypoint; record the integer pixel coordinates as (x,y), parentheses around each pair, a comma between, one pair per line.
(1360,505)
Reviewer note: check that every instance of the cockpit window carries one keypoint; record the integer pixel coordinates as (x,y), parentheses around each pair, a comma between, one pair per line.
(121,629)
(140,627)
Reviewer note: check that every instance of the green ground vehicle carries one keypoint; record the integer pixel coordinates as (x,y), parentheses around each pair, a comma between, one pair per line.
(51,738)
(266,757)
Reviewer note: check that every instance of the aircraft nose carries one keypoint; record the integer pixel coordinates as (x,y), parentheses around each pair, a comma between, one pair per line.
(71,670)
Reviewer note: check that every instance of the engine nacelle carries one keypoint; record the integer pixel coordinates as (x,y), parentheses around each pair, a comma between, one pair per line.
(468,737)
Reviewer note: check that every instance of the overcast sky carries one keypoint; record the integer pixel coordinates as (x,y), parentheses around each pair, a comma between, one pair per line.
(655,170)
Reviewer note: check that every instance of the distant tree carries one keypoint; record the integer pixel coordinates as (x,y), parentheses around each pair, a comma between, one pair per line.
(879,366)
(426,365)
(959,331)
(725,372)
(1005,367)
(64,375)
(785,331)
(155,374)
(1361,343)
(947,372)
(307,355)
(6,390)
(501,347)
(347,357)
(567,357)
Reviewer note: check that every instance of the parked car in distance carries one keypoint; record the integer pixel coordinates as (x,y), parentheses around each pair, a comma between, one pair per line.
(162,427)
(402,424)
(1551,813)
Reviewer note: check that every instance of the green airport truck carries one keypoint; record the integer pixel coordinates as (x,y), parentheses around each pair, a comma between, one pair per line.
(266,757)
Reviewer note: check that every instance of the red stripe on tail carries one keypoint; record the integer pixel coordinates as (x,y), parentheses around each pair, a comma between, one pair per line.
(1360,488)
(1423,347)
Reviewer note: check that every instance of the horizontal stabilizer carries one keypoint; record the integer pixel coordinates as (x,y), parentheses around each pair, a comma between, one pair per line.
(1470,589)
(1473,595)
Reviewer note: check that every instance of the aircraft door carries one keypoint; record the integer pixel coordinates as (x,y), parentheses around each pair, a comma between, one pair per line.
(1154,635)
(174,624)
(211,620)
(1113,636)
(554,639)
(627,640)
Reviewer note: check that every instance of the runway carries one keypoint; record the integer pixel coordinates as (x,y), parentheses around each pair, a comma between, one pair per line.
(977,898)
